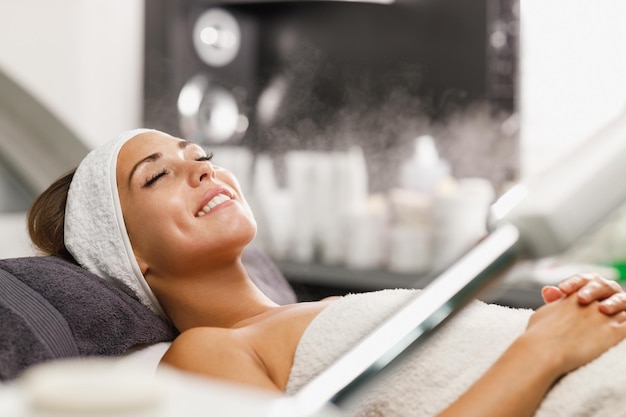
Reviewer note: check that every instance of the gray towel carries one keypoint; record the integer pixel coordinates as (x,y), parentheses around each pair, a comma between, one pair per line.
(51,309)
(31,330)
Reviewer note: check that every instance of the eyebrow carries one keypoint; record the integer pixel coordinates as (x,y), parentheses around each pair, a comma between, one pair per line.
(155,156)
(150,158)
(184,143)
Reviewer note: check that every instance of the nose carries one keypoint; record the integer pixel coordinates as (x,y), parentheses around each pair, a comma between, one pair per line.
(200,171)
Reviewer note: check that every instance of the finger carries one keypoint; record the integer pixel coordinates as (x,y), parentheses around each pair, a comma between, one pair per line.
(620,317)
(614,304)
(550,293)
(574,283)
(598,289)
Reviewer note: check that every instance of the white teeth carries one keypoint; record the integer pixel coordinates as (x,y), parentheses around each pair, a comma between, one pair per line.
(218,199)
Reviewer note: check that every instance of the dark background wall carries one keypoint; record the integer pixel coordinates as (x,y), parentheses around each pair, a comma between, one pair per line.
(373,74)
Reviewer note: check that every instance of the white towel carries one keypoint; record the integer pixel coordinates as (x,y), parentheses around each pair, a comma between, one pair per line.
(444,367)
(95,233)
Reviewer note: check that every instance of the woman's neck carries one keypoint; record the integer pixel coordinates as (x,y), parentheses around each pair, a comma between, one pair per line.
(221,297)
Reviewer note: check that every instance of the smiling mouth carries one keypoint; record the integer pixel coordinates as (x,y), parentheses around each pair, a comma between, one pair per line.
(214,202)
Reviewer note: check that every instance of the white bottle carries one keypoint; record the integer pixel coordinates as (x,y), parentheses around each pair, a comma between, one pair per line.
(461,209)
(411,236)
(425,169)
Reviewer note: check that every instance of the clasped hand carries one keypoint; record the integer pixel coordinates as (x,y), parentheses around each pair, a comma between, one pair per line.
(589,288)
(584,316)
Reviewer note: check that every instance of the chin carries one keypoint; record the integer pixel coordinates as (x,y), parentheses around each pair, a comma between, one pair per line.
(242,233)
(251,234)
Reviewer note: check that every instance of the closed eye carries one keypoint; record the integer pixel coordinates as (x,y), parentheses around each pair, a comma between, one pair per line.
(155,178)
(207,157)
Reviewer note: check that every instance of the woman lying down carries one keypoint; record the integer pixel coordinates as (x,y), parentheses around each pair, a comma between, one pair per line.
(152,212)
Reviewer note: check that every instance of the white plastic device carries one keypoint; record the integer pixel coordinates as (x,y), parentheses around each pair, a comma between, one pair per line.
(554,209)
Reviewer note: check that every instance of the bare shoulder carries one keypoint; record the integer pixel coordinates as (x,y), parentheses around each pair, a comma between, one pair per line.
(218,353)
(198,342)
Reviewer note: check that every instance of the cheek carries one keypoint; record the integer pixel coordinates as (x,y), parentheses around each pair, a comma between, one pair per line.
(231,180)
(159,243)
(227,177)
(145,225)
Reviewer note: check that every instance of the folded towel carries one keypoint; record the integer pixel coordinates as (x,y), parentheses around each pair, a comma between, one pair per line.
(31,330)
(95,232)
(51,309)
(440,370)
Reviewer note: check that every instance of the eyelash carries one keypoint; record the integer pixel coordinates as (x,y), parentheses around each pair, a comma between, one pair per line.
(155,178)
(164,171)
(208,157)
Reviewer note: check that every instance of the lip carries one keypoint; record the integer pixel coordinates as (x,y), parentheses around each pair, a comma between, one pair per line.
(208,196)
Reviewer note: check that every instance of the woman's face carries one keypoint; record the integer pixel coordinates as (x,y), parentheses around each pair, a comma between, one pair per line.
(182,213)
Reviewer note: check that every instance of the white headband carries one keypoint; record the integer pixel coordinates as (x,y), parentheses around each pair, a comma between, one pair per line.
(95,233)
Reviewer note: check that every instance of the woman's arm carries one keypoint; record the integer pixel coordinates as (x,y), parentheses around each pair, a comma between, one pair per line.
(561,336)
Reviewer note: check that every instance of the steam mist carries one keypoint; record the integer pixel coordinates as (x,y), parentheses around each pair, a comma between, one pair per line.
(330,106)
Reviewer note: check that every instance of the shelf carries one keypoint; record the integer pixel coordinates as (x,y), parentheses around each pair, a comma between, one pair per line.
(525,294)
(339,276)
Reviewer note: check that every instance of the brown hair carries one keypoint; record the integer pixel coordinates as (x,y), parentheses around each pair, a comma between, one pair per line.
(46,219)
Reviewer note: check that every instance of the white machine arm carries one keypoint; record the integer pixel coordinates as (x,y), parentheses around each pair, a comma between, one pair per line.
(554,209)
